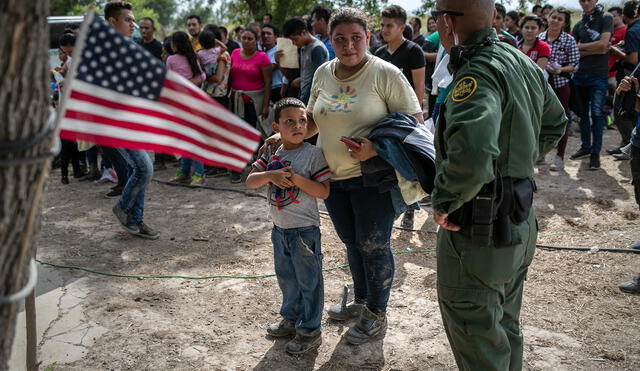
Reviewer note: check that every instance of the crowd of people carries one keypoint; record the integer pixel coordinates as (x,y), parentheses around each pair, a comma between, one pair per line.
(397,84)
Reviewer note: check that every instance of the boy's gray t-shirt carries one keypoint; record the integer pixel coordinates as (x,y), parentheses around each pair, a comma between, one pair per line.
(293,208)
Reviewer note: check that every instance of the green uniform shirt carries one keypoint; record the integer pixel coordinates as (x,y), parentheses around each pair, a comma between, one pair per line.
(501,107)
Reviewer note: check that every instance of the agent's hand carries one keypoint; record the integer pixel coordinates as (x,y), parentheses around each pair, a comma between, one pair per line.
(281,177)
(365,152)
(274,141)
(443,221)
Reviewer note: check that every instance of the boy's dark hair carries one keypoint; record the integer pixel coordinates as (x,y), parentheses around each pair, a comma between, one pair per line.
(501,9)
(112,10)
(276,32)
(294,26)
(534,18)
(395,12)
(630,9)
(193,16)
(207,39)
(408,31)
(67,39)
(348,15)
(321,12)
(616,9)
(286,103)
(268,15)
(515,16)
(153,24)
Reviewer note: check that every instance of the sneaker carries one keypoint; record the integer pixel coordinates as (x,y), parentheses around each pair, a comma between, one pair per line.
(369,326)
(120,214)
(631,287)
(282,329)
(236,177)
(622,156)
(114,193)
(197,179)
(351,311)
(582,152)
(145,231)
(407,219)
(126,221)
(558,164)
(106,177)
(614,151)
(304,341)
(180,178)
(594,161)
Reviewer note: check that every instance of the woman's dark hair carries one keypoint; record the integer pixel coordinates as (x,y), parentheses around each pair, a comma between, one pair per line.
(515,16)
(418,22)
(207,39)
(567,18)
(533,18)
(548,6)
(215,30)
(630,9)
(166,45)
(501,9)
(348,15)
(67,39)
(294,26)
(408,31)
(183,47)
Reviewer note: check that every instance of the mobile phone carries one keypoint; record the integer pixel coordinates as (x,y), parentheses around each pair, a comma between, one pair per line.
(350,142)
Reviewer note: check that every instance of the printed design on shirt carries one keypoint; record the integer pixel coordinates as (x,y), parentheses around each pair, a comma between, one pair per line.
(343,101)
(534,55)
(278,197)
(464,89)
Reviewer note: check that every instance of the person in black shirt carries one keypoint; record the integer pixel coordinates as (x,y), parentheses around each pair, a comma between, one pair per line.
(407,56)
(417,37)
(153,46)
(231,44)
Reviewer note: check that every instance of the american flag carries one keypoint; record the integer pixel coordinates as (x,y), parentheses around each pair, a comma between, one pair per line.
(119,95)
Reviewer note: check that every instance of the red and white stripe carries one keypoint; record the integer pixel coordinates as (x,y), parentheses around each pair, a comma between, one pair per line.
(184,121)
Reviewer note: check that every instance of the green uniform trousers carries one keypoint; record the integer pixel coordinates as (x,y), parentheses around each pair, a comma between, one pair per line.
(480,295)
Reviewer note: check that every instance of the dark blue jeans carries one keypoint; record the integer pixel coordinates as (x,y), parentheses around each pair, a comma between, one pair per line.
(363,218)
(592,89)
(140,174)
(297,257)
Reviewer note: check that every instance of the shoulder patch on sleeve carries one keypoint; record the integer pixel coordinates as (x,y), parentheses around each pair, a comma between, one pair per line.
(464,89)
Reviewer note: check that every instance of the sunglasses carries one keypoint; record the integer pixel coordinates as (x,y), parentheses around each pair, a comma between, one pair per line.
(436,13)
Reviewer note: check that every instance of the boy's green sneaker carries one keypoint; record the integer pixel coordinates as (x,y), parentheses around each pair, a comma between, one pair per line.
(180,177)
(282,329)
(197,179)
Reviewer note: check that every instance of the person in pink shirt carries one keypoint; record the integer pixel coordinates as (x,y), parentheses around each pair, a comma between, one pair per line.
(185,63)
(250,76)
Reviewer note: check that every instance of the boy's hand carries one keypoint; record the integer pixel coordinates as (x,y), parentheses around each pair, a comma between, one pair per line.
(281,177)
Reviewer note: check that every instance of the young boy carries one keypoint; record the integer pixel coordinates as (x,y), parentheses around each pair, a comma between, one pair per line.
(297,173)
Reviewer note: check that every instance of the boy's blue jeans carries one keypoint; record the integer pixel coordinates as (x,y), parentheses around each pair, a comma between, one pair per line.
(593,89)
(298,262)
(140,173)
(363,218)
(185,166)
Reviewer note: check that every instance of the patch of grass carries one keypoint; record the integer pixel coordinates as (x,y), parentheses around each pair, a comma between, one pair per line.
(51,367)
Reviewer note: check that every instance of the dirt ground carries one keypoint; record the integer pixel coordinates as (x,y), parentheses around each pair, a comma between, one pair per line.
(574,317)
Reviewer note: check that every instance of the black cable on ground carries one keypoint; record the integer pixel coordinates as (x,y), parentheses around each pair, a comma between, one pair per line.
(593,249)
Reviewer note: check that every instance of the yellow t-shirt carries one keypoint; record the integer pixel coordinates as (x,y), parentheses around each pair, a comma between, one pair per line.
(195,43)
(353,106)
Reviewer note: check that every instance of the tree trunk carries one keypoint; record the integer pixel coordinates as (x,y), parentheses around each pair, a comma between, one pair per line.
(24,102)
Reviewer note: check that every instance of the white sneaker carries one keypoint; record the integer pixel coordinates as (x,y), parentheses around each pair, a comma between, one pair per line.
(558,164)
(107,177)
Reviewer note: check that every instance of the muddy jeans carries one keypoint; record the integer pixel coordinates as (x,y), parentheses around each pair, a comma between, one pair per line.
(297,257)
(363,218)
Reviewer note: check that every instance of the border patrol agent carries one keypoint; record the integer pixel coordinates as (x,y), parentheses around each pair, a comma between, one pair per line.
(500,116)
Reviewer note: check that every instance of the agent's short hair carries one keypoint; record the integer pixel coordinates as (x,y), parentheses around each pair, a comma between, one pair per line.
(113,9)
(395,12)
(286,103)
(348,15)
(294,26)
